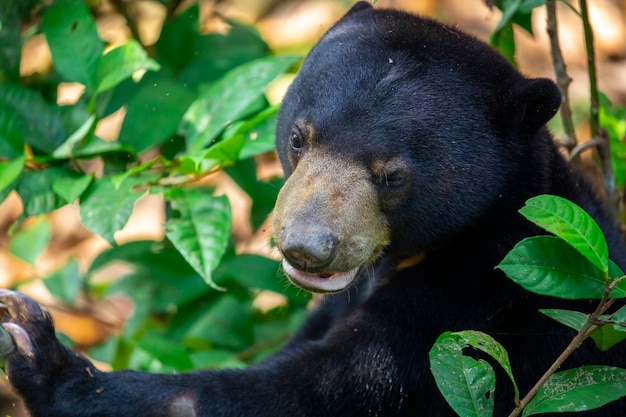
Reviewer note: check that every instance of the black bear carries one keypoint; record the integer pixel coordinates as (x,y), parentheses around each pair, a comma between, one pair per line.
(409,147)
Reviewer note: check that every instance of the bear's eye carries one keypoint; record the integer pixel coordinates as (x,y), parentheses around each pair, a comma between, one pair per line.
(391,179)
(295,141)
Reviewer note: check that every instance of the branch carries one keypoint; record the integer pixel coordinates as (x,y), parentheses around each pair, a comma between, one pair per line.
(604,151)
(563,80)
(584,333)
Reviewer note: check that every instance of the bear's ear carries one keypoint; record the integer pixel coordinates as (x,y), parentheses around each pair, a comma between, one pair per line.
(535,101)
(361,5)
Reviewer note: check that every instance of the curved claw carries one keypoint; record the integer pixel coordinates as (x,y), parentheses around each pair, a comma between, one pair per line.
(20,339)
(18,306)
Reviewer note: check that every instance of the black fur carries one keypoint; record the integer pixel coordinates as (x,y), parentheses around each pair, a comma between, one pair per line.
(381,84)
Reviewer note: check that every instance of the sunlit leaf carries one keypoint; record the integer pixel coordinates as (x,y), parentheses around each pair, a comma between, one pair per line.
(225,100)
(547,265)
(30,241)
(579,389)
(9,171)
(572,224)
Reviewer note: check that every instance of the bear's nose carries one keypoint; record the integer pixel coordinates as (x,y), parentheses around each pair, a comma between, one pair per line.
(310,253)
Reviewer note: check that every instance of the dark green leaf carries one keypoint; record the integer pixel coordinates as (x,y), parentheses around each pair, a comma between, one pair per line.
(36,190)
(65,283)
(30,241)
(226,324)
(11,131)
(26,112)
(6,346)
(11,50)
(579,389)
(175,46)
(572,224)
(154,114)
(547,265)
(69,28)
(199,227)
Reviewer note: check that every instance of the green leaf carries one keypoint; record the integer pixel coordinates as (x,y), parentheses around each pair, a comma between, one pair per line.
(199,227)
(579,389)
(26,117)
(70,188)
(105,208)
(9,171)
(225,324)
(490,346)
(466,384)
(11,136)
(30,241)
(168,352)
(66,150)
(613,119)
(65,283)
(547,265)
(572,224)
(605,337)
(69,29)
(260,133)
(11,41)
(154,113)
(36,191)
(120,64)
(504,41)
(226,100)
(223,153)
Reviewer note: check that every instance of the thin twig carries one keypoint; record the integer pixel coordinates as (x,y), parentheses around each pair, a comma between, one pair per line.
(562,78)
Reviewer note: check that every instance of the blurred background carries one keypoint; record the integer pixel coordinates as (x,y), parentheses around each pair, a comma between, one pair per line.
(287,27)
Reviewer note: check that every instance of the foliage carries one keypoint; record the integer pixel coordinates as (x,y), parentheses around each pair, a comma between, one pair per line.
(194,104)
(572,264)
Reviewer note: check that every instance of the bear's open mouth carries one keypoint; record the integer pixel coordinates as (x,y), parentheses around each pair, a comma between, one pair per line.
(323,282)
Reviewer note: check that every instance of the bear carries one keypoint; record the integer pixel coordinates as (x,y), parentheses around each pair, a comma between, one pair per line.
(408,148)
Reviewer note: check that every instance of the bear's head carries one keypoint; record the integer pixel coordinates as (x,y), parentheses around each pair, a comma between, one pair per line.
(397,134)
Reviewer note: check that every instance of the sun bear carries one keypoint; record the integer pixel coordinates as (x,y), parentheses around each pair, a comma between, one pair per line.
(408,148)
